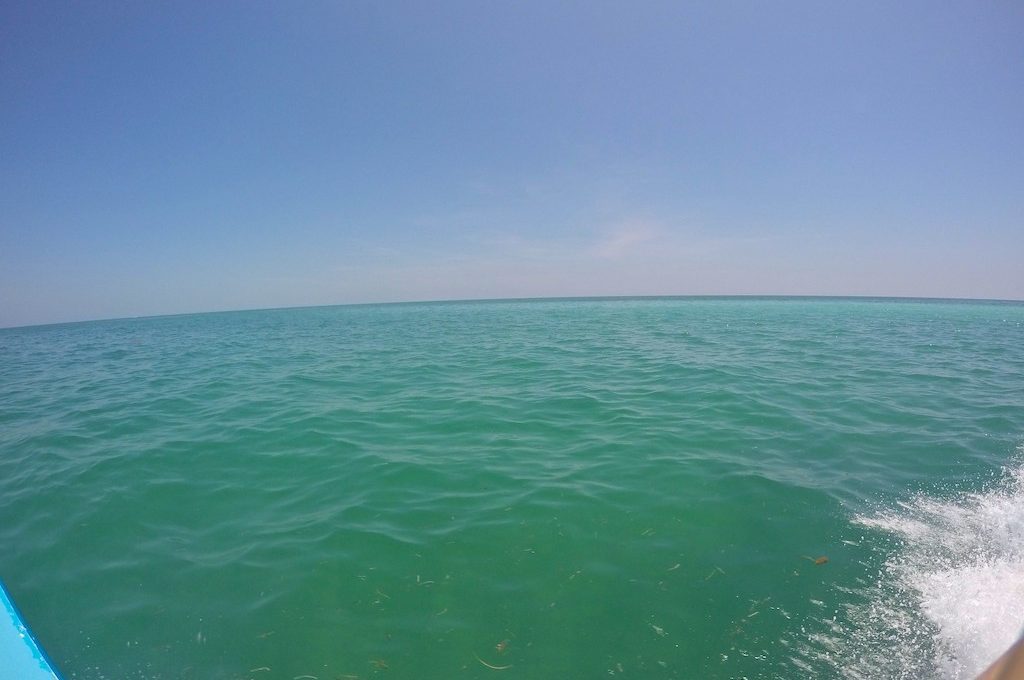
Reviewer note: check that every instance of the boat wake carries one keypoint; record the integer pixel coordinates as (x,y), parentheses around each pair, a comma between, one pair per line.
(948,597)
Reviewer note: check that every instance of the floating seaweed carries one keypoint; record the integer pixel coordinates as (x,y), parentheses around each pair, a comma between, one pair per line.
(492,666)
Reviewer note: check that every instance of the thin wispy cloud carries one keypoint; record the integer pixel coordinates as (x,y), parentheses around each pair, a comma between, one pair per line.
(626,238)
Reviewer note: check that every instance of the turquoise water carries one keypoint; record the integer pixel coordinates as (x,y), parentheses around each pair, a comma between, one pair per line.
(540,489)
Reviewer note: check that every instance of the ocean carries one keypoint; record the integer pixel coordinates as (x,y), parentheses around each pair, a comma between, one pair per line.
(548,489)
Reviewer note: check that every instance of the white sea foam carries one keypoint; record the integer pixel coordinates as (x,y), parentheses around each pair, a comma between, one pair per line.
(949,598)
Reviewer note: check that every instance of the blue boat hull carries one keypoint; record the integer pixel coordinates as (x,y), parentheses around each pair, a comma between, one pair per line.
(21,657)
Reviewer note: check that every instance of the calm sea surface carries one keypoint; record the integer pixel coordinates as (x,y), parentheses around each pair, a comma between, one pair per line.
(648,488)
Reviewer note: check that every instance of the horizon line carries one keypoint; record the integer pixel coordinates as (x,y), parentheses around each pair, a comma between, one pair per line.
(551,298)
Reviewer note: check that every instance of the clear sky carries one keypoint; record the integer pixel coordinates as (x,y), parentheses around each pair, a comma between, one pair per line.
(190,156)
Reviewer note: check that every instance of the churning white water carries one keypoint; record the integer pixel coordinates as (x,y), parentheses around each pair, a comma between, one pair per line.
(948,598)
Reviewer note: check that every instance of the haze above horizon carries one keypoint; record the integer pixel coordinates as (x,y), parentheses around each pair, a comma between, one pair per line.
(162,159)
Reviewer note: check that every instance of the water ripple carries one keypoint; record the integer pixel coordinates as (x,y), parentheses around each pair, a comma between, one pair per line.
(571,488)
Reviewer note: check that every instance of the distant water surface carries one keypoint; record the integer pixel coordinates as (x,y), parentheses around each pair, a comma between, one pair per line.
(630,488)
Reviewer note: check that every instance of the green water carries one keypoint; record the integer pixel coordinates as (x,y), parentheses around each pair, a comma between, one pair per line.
(561,489)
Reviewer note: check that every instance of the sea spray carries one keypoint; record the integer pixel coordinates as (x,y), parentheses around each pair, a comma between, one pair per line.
(949,596)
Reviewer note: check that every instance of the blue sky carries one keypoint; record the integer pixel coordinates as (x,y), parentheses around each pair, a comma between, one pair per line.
(191,156)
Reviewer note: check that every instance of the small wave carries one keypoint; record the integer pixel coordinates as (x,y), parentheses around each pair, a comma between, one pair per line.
(949,594)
